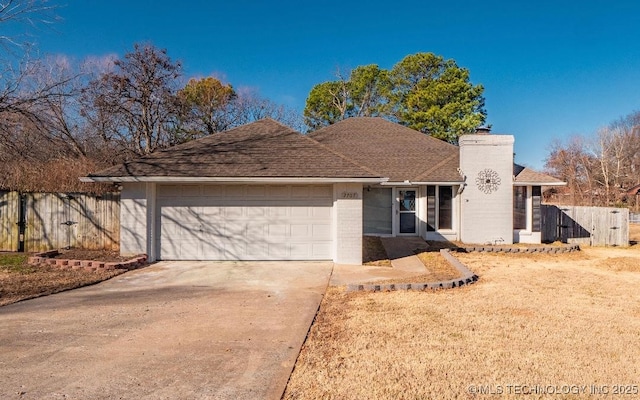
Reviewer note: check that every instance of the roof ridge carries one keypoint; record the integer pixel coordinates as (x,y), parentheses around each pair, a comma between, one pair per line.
(269,119)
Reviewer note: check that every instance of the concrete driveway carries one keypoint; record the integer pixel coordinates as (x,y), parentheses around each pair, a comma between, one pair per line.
(173,330)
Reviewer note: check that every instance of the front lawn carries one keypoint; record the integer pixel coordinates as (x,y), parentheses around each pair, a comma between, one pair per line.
(556,322)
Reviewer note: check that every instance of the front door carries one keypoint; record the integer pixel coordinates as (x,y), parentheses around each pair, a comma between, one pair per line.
(407,211)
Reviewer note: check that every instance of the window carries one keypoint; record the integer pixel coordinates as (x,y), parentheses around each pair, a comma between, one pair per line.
(439,208)
(445,207)
(520,207)
(536,195)
(431,208)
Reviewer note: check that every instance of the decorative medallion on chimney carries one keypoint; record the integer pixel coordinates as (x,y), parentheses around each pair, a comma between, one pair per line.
(488,180)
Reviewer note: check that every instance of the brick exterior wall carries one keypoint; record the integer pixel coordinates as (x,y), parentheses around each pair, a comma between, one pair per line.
(347,223)
(133,219)
(487,208)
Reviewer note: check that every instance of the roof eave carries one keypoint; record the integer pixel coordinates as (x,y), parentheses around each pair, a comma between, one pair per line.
(531,183)
(208,179)
(401,183)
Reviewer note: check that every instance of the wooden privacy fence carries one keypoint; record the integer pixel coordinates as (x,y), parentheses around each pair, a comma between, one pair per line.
(594,226)
(45,221)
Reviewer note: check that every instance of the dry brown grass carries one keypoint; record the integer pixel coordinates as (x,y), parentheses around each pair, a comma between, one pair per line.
(532,319)
(373,252)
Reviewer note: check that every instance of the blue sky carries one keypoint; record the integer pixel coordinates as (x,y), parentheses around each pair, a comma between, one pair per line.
(550,69)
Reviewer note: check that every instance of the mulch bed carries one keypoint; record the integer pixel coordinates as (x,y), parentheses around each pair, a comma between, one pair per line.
(92,255)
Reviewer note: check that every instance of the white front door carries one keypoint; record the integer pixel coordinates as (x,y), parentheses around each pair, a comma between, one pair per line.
(407,211)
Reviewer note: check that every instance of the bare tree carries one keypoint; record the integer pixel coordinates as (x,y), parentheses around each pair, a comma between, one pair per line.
(135,105)
(249,106)
(35,14)
(599,169)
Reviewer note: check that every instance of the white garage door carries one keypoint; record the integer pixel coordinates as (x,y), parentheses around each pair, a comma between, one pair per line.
(244,222)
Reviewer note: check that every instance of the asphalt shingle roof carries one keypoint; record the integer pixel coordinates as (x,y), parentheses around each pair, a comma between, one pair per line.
(264,148)
(524,174)
(392,150)
(365,147)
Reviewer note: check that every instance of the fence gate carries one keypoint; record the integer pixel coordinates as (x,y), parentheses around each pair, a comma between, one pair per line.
(594,226)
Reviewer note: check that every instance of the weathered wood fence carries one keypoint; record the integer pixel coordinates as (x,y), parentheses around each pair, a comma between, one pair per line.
(45,221)
(594,226)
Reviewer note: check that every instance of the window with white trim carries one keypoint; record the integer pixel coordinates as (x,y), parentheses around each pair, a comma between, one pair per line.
(439,208)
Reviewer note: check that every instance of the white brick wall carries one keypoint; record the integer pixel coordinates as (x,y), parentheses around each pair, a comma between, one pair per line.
(347,223)
(487,217)
(133,219)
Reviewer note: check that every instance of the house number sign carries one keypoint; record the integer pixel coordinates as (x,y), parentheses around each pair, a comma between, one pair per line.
(349,195)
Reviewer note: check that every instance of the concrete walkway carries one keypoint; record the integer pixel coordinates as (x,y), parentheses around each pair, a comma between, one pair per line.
(401,252)
(404,262)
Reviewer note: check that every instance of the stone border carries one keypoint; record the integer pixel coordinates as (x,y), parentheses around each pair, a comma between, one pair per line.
(468,278)
(568,248)
(45,258)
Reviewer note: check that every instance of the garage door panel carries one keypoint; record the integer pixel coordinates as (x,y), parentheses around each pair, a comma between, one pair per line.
(235,250)
(300,250)
(277,212)
(190,247)
(277,231)
(321,231)
(300,231)
(257,211)
(170,249)
(256,250)
(319,250)
(233,212)
(208,212)
(243,222)
(321,212)
(278,250)
(214,249)
(300,212)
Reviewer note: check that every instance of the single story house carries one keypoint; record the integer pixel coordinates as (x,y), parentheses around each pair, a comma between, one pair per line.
(263,191)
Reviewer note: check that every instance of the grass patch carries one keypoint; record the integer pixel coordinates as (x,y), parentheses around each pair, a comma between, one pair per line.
(15,263)
(373,252)
(532,319)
